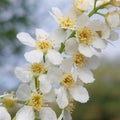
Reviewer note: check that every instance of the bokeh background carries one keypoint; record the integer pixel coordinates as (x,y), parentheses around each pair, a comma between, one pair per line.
(26,15)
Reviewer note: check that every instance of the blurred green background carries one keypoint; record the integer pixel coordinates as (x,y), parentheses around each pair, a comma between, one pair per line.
(16,16)
(104,103)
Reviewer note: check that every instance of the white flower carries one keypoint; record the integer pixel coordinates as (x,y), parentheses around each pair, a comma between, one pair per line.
(68,85)
(91,34)
(36,68)
(113,19)
(77,59)
(83,5)
(77,92)
(4,115)
(36,101)
(43,46)
(8,99)
(65,22)
(27,113)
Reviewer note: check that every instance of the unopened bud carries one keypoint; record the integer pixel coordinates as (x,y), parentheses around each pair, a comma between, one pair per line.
(113,19)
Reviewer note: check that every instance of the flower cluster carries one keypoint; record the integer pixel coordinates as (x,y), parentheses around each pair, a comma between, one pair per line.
(60,63)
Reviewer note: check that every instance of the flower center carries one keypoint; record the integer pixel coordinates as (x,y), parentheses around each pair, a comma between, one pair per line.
(9,102)
(67,80)
(67,22)
(44,46)
(37,69)
(36,100)
(84,35)
(79,59)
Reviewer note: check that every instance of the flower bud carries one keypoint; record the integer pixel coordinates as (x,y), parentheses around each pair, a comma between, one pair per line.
(113,19)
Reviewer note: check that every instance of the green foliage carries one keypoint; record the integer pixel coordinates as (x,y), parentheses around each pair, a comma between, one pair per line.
(4,2)
(104,103)
(11,21)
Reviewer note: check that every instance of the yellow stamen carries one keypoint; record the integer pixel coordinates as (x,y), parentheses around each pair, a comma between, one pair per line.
(37,69)
(67,22)
(85,36)
(44,46)
(36,101)
(67,80)
(9,102)
(71,106)
(79,59)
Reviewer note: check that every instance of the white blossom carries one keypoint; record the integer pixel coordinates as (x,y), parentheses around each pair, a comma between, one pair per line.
(43,45)
(4,115)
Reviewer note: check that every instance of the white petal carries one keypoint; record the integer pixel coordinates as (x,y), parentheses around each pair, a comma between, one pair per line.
(80,94)
(56,13)
(59,36)
(47,114)
(71,46)
(67,115)
(32,85)
(113,19)
(105,32)
(26,39)
(41,34)
(54,57)
(86,75)
(54,75)
(23,92)
(25,113)
(99,26)
(34,56)
(23,74)
(82,20)
(45,85)
(93,62)
(4,115)
(114,36)
(67,64)
(62,99)
(85,50)
(75,75)
(51,96)
(95,25)
(4,95)
(99,43)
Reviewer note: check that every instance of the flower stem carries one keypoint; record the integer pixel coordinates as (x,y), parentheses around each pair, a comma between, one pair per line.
(100,14)
(94,11)
(37,115)
(14,118)
(72,35)
(37,83)
(44,58)
(95,4)
(62,47)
